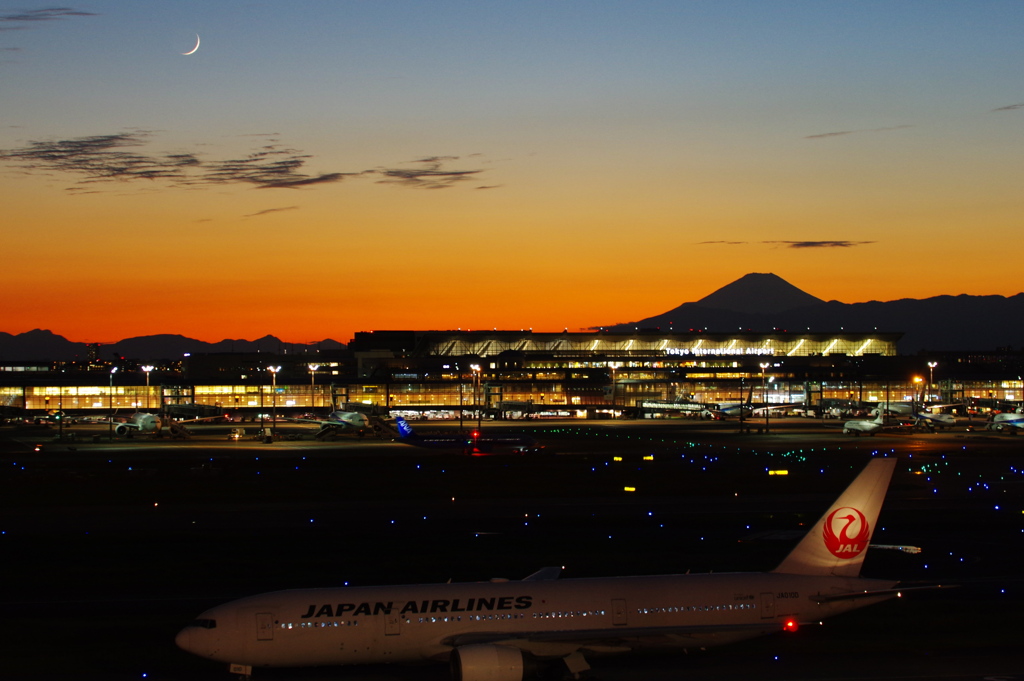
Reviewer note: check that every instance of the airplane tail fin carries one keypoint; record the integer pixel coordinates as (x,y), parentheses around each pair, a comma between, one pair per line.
(836,544)
(404,429)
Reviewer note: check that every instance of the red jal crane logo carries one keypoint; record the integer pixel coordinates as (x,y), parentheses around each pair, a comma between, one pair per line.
(846,532)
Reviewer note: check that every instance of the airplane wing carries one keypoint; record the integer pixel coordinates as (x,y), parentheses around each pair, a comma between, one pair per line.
(895,591)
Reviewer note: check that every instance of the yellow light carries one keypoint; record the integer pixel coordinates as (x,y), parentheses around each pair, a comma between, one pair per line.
(629,489)
(649,457)
(616,458)
(781,471)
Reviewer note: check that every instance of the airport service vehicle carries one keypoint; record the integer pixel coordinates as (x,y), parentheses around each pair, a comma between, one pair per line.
(504,630)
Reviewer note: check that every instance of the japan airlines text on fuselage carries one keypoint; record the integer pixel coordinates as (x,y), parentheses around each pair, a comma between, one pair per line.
(496,630)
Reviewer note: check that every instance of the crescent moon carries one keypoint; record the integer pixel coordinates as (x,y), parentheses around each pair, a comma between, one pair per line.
(193,50)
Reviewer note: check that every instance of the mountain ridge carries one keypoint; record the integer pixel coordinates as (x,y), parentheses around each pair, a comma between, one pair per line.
(44,345)
(938,323)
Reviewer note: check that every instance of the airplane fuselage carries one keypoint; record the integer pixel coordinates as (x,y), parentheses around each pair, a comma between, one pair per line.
(549,618)
(1007,421)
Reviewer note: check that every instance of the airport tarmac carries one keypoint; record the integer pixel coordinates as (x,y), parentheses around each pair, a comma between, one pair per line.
(110,547)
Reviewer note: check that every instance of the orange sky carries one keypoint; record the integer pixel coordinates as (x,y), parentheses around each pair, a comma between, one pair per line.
(476,168)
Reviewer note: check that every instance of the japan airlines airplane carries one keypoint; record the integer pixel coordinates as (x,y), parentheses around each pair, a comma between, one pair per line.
(503,630)
(339,422)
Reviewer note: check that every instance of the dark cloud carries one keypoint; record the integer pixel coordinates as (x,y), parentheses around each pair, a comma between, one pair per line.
(793,244)
(830,134)
(101,158)
(819,244)
(269,168)
(851,132)
(104,158)
(428,175)
(270,210)
(1009,107)
(37,15)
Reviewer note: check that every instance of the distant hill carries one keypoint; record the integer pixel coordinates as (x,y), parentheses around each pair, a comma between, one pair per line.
(41,346)
(765,302)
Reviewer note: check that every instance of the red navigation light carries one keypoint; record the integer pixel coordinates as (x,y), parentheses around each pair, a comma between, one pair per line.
(790,625)
(476,434)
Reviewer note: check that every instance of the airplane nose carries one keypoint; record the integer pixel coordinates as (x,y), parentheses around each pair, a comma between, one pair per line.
(184,640)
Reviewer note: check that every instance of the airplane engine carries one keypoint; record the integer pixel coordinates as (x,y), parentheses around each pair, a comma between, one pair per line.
(487,663)
(122,430)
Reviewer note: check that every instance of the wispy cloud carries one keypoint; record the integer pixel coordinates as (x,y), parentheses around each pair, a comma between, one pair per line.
(1009,107)
(852,132)
(793,244)
(18,20)
(265,211)
(819,244)
(120,157)
(269,167)
(426,173)
(101,158)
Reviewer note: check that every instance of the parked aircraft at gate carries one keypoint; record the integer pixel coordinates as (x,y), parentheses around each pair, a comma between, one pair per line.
(339,422)
(859,426)
(1009,422)
(919,412)
(500,630)
(144,423)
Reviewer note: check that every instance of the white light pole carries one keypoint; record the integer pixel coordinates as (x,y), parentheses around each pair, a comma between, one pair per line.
(764,394)
(273,394)
(931,374)
(312,383)
(476,385)
(147,368)
(110,404)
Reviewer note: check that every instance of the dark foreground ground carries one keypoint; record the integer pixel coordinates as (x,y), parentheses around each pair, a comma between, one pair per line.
(107,552)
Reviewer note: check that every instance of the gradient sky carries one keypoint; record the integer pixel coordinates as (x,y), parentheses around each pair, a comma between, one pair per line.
(319,168)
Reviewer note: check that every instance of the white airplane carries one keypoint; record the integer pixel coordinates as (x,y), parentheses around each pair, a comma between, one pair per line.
(338,422)
(922,416)
(862,426)
(1008,421)
(501,630)
(144,423)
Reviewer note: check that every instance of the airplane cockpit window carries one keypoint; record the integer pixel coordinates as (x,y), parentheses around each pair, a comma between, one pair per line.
(205,624)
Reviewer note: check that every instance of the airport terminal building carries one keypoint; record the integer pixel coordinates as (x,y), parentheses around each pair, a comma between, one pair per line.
(517,374)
